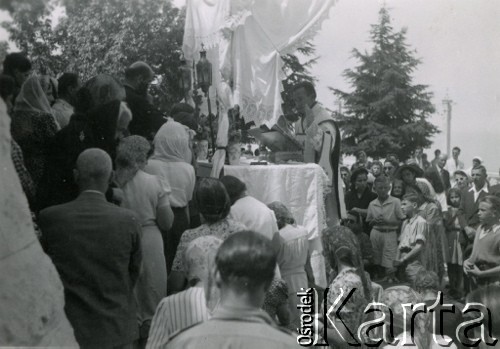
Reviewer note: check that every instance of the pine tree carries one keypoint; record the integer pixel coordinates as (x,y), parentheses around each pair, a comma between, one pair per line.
(385,112)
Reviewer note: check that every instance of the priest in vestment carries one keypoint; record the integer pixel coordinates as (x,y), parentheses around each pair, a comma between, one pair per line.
(321,137)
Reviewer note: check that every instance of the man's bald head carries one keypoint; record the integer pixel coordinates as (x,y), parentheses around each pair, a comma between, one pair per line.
(442,160)
(93,170)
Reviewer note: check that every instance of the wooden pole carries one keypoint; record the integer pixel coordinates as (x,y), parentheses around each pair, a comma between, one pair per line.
(447,102)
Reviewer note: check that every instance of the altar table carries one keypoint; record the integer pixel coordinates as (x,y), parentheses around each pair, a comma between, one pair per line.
(301,188)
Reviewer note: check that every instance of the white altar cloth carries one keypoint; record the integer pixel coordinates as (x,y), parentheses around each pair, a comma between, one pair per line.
(301,188)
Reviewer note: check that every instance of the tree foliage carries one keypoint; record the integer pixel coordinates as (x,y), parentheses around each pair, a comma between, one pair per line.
(4,49)
(31,30)
(105,36)
(386,111)
(296,71)
(102,36)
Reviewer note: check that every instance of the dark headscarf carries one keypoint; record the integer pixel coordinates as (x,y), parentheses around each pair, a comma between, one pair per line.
(103,89)
(101,129)
(187,119)
(340,240)
(394,298)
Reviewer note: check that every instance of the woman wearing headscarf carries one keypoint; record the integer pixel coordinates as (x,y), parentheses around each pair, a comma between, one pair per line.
(171,161)
(421,335)
(104,88)
(147,196)
(436,252)
(341,250)
(106,125)
(446,322)
(100,120)
(33,126)
(293,256)
(197,302)
(213,201)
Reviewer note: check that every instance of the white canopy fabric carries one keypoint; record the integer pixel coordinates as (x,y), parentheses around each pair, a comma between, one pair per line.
(244,40)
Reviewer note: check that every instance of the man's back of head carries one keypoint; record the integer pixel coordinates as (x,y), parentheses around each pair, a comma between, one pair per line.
(96,249)
(68,85)
(245,264)
(93,170)
(138,69)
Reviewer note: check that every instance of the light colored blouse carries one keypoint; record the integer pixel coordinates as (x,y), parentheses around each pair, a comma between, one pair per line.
(179,175)
(352,312)
(144,194)
(292,256)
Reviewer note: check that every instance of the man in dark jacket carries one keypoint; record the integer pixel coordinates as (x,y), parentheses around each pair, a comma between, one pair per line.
(439,177)
(95,247)
(146,118)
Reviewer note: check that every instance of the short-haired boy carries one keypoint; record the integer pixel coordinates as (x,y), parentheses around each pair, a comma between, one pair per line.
(384,215)
(411,240)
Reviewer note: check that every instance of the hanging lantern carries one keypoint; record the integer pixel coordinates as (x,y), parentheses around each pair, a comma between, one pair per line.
(204,71)
(184,76)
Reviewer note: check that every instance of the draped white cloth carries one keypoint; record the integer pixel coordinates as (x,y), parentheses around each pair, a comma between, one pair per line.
(254,64)
(245,40)
(301,188)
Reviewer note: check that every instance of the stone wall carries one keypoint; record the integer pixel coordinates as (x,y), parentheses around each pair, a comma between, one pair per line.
(31,293)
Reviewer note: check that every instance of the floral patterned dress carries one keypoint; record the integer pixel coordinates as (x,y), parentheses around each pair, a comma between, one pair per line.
(436,254)
(221,229)
(276,296)
(352,312)
(33,131)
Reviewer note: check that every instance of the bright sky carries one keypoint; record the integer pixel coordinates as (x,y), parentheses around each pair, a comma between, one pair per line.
(458,42)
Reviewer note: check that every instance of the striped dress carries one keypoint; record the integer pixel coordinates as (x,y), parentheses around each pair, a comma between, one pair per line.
(176,313)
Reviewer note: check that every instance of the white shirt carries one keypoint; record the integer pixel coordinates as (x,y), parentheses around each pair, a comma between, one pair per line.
(452,166)
(255,215)
(477,192)
(179,175)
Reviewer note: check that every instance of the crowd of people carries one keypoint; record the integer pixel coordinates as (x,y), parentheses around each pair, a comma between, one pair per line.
(152,255)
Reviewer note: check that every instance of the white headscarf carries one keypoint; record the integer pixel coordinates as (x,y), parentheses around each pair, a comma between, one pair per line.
(32,97)
(172,143)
